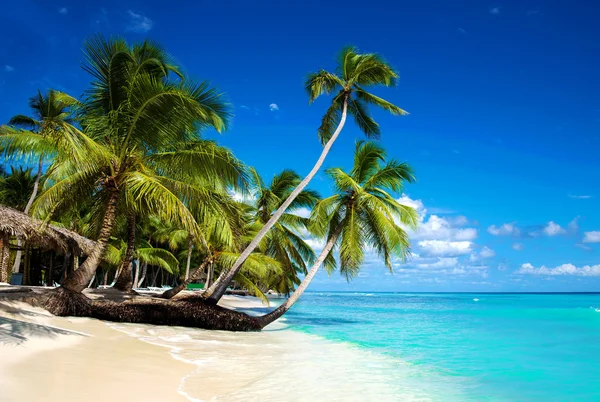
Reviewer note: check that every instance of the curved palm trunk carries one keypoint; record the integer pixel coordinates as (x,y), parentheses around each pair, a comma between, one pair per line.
(189,259)
(80,278)
(173,291)
(124,281)
(36,184)
(4,257)
(144,271)
(217,290)
(281,310)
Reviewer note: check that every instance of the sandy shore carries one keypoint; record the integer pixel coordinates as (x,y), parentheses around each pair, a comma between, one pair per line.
(47,358)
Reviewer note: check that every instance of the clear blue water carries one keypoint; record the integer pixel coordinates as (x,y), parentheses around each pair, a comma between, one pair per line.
(503,347)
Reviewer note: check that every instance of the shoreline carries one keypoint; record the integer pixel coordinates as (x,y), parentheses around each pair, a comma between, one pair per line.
(124,362)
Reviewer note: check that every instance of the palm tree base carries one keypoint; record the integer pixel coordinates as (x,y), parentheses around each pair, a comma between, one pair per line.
(185,312)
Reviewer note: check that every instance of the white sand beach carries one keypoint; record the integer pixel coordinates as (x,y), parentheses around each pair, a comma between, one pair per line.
(47,358)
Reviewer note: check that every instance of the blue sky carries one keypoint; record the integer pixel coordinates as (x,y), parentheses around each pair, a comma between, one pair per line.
(504,129)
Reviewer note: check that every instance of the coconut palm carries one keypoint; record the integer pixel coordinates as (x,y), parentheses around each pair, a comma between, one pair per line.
(362,215)
(137,115)
(284,243)
(51,124)
(354,73)
(16,187)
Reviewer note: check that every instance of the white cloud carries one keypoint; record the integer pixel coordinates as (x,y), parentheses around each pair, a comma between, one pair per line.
(9,69)
(273,107)
(303,212)
(446,262)
(573,226)
(565,269)
(441,248)
(495,10)
(506,229)
(580,197)
(553,229)
(591,237)
(485,253)
(518,246)
(139,23)
(63,10)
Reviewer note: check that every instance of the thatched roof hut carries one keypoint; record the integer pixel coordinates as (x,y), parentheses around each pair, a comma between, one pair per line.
(42,235)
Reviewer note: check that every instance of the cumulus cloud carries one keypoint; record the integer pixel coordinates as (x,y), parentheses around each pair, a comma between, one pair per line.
(9,69)
(139,23)
(565,269)
(273,107)
(518,246)
(591,237)
(506,229)
(553,229)
(483,254)
(439,248)
(549,229)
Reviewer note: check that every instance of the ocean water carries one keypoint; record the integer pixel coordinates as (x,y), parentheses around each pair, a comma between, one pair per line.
(488,347)
(400,347)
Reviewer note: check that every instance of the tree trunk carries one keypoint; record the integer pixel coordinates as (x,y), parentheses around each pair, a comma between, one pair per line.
(4,256)
(36,185)
(80,278)
(50,270)
(105,280)
(172,292)
(125,281)
(144,271)
(210,275)
(75,262)
(217,290)
(26,266)
(136,277)
(189,259)
(281,310)
(65,267)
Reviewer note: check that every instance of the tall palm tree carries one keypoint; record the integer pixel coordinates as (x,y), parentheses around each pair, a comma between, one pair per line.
(354,72)
(137,114)
(200,163)
(52,119)
(362,215)
(284,243)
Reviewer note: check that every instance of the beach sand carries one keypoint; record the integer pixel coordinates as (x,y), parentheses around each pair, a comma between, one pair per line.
(47,358)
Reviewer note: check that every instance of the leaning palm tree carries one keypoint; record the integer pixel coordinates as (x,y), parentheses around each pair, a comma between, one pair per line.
(362,215)
(354,73)
(136,113)
(52,118)
(284,242)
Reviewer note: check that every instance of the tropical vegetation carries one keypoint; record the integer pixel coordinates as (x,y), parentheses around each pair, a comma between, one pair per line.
(120,188)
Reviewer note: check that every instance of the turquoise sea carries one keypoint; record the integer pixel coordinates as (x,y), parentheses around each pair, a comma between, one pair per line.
(483,347)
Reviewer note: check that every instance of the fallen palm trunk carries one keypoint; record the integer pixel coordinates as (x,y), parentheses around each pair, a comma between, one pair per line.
(185,312)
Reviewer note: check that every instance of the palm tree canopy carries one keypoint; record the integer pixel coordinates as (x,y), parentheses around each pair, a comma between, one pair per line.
(369,216)
(354,72)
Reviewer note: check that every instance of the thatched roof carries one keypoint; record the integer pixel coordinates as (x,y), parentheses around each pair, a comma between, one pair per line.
(47,236)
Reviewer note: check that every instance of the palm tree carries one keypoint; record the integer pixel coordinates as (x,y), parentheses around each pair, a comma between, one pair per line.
(137,115)
(284,243)
(16,187)
(51,120)
(354,72)
(362,215)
